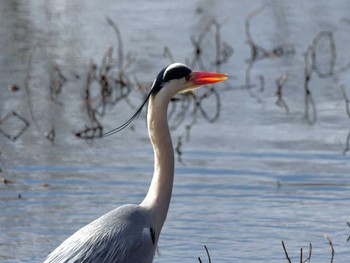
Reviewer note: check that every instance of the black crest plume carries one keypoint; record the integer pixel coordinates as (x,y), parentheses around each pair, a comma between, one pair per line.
(176,72)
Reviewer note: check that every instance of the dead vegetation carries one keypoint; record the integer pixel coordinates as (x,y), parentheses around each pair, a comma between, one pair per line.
(302,258)
(115,82)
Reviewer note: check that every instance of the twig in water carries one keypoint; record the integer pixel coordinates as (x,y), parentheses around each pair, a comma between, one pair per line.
(198,101)
(13,115)
(50,135)
(208,255)
(257,52)
(280,101)
(347,108)
(120,41)
(323,46)
(331,245)
(347,144)
(347,101)
(310,252)
(57,80)
(223,50)
(178,149)
(197,44)
(285,252)
(301,254)
(255,49)
(261,83)
(321,39)
(308,95)
(27,91)
(113,83)
(96,129)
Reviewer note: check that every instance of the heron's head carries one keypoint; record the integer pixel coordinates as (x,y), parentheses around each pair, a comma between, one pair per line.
(171,80)
(179,77)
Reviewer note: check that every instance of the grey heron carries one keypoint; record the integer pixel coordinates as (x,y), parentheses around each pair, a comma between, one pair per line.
(129,234)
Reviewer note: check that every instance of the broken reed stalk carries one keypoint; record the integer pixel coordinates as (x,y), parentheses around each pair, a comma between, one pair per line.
(285,252)
(27,89)
(113,84)
(346,99)
(347,109)
(301,260)
(206,95)
(309,102)
(310,252)
(323,36)
(347,143)
(257,52)
(280,100)
(332,248)
(96,129)
(208,255)
(223,51)
(57,81)
(120,41)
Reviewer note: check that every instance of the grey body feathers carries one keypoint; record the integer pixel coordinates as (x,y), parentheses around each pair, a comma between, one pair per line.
(124,235)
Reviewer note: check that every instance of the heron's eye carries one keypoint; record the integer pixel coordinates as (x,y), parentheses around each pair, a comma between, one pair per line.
(187,78)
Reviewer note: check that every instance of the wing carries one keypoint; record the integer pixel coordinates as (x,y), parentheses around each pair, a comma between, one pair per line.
(122,235)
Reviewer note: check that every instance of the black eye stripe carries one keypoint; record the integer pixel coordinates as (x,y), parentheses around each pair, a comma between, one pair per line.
(176,73)
(173,71)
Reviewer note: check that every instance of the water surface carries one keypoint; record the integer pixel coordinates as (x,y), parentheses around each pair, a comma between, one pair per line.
(256,176)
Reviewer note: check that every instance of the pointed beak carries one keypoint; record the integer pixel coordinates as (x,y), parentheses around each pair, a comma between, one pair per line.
(202,78)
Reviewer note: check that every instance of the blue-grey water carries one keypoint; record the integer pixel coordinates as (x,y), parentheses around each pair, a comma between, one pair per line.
(256,176)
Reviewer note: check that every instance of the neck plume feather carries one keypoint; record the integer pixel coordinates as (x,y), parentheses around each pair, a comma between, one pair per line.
(159,194)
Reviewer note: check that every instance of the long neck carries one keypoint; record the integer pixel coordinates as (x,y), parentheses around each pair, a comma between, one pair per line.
(158,197)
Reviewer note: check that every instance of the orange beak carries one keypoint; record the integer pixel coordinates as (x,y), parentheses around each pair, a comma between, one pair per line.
(202,78)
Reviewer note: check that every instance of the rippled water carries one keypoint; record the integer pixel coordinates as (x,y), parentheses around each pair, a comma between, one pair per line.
(251,179)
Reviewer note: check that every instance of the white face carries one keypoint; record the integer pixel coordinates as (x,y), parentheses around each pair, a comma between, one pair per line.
(182,85)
